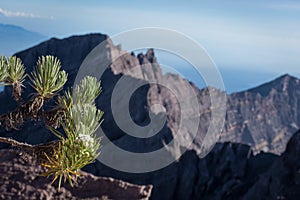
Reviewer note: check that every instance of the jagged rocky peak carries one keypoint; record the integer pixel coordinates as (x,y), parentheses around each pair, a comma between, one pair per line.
(142,66)
(151,56)
(148,57)
(284,83)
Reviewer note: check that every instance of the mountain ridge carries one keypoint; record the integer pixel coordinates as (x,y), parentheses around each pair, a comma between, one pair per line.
(265,88)
(94,35)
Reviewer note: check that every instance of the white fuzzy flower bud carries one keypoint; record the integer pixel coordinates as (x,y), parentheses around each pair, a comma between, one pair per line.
(86,139)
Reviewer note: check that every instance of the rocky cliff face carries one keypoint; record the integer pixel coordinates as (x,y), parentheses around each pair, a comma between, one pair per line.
(264,117)
(282,179)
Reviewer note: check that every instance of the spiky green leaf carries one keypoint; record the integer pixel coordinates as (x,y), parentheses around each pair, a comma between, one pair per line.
(15,70)
(3,69)
(87,91)
(47,78)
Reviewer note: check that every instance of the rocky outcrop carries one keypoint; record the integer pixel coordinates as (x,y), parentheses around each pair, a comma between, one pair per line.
(20,179)
(282,180)
(227,172)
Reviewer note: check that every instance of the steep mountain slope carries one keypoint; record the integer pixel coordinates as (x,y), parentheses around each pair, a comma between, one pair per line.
(266,116)
(14,38)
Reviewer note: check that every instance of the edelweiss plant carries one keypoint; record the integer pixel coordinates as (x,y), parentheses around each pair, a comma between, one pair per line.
(47,78)
(3,69)
(75,112)
(80,146)
(13,73)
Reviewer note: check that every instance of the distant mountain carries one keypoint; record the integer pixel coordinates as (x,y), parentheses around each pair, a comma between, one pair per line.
(264,117)
(285,83)
(14,38)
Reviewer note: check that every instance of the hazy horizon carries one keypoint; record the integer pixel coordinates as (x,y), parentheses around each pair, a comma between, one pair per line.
(259,37)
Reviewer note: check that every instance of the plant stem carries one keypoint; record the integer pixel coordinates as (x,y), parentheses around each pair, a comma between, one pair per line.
(16,143)
(38,151)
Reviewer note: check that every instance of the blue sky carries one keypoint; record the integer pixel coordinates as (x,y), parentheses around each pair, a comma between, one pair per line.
(256,35)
